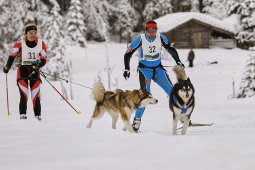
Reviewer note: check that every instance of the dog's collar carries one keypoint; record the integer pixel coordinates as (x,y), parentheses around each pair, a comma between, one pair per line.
(136,105)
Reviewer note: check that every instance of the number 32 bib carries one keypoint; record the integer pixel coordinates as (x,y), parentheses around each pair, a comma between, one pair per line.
(30,55)
(151,50)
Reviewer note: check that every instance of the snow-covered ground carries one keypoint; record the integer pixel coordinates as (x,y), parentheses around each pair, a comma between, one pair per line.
(62,141)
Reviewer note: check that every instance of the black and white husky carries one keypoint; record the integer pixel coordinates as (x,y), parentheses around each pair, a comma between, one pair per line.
(181,100)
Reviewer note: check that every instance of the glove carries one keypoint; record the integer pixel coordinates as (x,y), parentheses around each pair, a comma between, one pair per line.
(35,68)
(6,69)
(180,64)
(126,74)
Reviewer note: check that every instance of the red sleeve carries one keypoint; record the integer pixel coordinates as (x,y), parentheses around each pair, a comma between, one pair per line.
(43,53)
(16,49)
(44,47)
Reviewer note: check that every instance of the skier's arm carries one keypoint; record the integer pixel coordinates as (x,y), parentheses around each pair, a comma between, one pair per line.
(43,55)
(167,45)
(15,51)
(131,49)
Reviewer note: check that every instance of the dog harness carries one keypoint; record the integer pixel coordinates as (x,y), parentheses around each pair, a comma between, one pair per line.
(183,109)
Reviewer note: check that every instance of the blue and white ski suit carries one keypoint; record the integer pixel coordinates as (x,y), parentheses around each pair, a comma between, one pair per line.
(150,67)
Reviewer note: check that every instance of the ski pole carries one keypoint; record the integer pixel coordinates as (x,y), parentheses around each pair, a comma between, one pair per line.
(7,94)
(67,81)
(168,66)
(78,112)
(128,32)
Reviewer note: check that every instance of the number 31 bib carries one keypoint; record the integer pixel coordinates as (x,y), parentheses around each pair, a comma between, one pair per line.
(151,50)
(30,55)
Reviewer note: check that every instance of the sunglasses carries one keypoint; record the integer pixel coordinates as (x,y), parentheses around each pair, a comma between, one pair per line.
(151,30)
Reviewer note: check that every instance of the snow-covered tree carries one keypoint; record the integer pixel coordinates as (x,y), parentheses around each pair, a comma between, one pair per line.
(59,64)
(75,24)
(30,12)
(42,18)
(246,34)
(97,13)
(11,25)
(183,5)
(54,32)
(2,33)
(233,7)
(215,8)
(194,6)
(64,67)
(247,86)
(126,19)
(246,10)
(157,8)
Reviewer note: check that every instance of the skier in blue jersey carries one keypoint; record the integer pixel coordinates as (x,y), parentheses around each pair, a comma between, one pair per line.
(150,68)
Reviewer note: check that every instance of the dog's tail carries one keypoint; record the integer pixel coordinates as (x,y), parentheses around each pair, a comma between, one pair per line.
(180,73)
(98,92)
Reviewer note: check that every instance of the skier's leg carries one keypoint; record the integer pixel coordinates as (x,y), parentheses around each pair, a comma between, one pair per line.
(23,89)
(162,79)
(35,95)
(145,76)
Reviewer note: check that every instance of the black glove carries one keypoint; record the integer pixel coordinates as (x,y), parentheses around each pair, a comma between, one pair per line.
(126,74)
(6,69)
(180,64)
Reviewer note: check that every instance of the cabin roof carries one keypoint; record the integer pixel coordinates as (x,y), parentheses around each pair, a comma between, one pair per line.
(171,21)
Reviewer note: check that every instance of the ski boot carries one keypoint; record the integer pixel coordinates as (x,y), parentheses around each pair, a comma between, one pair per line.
(23,116)
(38,118)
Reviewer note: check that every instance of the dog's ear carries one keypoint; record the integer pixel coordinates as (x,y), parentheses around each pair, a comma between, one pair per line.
(140,92)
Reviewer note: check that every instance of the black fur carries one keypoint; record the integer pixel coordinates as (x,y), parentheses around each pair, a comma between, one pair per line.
(179,85)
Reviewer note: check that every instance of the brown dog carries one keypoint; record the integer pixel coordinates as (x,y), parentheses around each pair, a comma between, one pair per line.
(120,102)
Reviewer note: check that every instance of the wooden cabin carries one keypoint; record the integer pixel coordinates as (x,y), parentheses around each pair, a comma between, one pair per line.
(196,30)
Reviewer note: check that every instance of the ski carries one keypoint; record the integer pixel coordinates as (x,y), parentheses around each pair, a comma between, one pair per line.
(197,125)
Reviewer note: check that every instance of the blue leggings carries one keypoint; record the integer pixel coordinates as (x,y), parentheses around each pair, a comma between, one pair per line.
(160,77)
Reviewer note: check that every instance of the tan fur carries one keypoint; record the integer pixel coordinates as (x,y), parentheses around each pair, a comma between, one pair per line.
(98,92)
(180,73)
(116,103)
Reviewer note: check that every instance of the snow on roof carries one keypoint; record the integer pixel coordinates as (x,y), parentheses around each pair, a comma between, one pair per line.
(171,21)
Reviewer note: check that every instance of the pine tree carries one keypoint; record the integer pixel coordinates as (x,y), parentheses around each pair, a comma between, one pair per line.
(126,17)
(195,6)
(75,24)
(11,26)
(247,86)
(246,34)
(30,12)
(64,67)
(59,64)
(246,10)
(215,8)
(2,33)
(54,32)
(183,5)
(42,18)
(156,9)
(233,7)
(97,14)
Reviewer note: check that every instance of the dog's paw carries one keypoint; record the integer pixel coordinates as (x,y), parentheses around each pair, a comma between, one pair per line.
(183,133)
(174,133)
